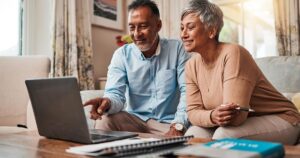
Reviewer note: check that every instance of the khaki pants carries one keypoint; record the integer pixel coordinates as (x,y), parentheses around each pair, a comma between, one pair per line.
(268,128)
(123,121)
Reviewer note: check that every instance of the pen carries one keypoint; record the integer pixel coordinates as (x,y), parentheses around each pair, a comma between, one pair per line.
(245,109)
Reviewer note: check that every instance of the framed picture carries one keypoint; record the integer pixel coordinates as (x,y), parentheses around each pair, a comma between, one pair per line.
(108,13)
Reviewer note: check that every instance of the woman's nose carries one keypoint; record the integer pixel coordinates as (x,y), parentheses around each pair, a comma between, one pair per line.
(183,33)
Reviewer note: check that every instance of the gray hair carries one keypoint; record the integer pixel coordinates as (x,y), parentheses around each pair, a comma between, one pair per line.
(210,14)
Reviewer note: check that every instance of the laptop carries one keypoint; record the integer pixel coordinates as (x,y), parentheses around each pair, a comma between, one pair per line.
(59,112)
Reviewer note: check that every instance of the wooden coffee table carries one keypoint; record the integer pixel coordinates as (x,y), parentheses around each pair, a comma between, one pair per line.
(30,144)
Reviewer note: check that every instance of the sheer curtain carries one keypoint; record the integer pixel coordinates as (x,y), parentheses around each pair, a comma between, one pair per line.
(170,13)
(287,27)
(72,42)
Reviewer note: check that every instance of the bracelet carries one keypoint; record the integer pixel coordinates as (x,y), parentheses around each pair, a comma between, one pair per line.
(211,117)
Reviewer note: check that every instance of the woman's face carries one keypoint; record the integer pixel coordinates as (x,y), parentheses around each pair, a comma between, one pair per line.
(193,33)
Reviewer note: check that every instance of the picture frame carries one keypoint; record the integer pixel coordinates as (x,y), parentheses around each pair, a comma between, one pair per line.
(107,13)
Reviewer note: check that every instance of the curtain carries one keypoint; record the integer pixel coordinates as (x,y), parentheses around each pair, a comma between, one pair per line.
(287,27)
(72,42)
(170,13)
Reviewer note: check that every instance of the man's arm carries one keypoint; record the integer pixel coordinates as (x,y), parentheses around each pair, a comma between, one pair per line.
(114,98)
(181,115)
(116,82)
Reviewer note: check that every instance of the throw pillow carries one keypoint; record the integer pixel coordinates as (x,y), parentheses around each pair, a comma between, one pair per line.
(289,96)
(296,100)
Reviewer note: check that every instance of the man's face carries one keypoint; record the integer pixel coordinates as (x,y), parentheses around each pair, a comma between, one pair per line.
(143,27)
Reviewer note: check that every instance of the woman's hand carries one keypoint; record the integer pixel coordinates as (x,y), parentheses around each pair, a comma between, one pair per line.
(223,114)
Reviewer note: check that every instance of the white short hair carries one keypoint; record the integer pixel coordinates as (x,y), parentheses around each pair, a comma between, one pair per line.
(210,14)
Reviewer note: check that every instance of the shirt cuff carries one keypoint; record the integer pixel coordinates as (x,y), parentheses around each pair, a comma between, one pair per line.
(115,106)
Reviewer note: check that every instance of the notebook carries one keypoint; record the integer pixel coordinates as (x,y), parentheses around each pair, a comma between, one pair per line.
(234,147)
(59,112)
(131,147)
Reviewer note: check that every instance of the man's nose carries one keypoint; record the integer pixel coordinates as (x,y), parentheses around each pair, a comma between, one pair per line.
(137,32)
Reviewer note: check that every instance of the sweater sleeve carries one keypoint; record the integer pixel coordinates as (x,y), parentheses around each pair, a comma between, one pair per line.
(240,77)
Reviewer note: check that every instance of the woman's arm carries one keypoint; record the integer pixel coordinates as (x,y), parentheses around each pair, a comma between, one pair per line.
(240,77)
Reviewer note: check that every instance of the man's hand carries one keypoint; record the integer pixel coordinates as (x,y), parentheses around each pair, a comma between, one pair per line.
(99,106)
(224,113)
(173,132)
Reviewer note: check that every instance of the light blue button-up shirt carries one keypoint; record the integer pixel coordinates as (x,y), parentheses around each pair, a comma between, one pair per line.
(153,88)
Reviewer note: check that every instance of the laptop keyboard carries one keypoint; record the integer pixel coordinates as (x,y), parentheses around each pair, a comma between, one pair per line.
(97,136)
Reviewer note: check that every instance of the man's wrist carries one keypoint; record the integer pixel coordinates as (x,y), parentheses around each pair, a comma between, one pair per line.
(109,104)
(178,127)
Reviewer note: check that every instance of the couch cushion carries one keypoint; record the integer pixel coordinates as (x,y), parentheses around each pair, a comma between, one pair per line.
(282,71)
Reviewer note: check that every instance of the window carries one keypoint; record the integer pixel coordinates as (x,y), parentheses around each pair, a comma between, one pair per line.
(10,28)
(249,23)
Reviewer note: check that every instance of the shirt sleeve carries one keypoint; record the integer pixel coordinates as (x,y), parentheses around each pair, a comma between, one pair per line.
(116,82)
(197,114)
(180,115)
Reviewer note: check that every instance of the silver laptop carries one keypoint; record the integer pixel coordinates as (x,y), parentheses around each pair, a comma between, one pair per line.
(59,112)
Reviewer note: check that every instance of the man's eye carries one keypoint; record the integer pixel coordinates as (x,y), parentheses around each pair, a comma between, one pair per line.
(144,26)
(131,28)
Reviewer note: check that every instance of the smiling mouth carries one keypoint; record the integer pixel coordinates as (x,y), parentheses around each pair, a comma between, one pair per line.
(139,41)
(187,42)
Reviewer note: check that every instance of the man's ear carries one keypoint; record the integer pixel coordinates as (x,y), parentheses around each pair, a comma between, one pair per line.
(159,24)
(212,33)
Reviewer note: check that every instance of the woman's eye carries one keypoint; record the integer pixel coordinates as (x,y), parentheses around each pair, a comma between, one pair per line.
(191,27)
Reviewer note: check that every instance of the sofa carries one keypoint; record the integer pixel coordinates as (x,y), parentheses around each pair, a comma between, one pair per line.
(284,73)
(13,93)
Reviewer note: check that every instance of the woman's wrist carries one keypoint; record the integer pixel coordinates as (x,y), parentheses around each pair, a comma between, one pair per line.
(211,117)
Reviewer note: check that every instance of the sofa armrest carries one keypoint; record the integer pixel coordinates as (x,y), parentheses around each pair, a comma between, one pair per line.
(85,96)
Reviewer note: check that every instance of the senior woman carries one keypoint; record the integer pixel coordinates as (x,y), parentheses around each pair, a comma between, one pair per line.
(221,78)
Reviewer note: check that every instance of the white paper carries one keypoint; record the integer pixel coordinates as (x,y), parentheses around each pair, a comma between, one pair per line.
(95,149)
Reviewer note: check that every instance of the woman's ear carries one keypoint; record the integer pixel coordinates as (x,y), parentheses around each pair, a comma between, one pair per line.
(212,33)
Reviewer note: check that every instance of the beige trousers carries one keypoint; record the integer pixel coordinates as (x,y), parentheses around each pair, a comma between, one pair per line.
(268,128)
(124,121)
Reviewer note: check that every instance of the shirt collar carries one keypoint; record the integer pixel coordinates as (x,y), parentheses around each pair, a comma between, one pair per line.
(157,51)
